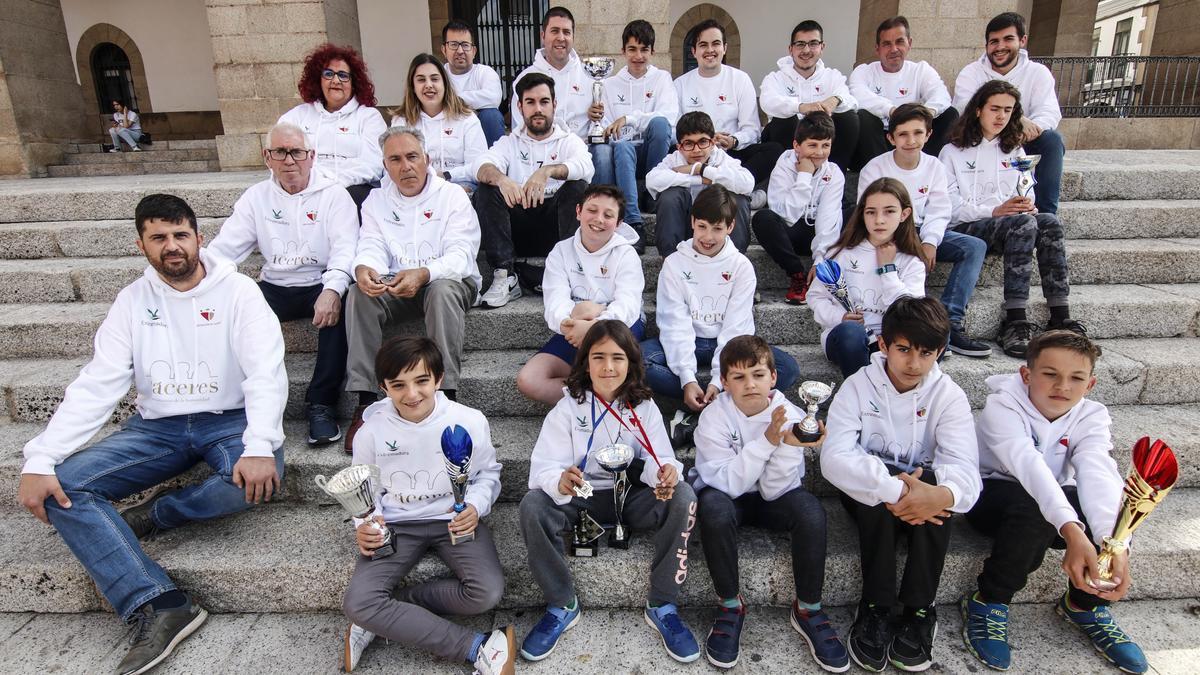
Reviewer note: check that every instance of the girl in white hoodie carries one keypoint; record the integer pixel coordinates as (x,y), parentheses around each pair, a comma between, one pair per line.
(453,134)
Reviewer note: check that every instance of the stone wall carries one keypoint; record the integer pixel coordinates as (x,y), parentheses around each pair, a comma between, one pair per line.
(606,19)
(1142,133)
(949,33)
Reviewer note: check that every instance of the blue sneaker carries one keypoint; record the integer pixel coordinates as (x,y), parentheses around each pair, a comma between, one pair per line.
(1106,636)
(544,636)
(677,639)
(985,631)
(724,639)
(826,647)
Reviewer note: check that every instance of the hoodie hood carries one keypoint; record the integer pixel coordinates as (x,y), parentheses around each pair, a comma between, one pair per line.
(689,251)
(903,410)
(622,236)
(785,63)
(216,269)
(541,63)
(1015,73)
(387,410)
(344,111)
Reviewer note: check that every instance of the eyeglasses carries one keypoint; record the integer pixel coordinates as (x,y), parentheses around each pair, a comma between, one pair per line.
(455,45)
(811,44)
(689,145)
(281,154)
(342,75)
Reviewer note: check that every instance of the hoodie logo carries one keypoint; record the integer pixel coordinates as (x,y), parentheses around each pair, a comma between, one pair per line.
(312,215)
(733,436)
(791,91)
(726,276)
(826,178)
(449,131)
(185,381)
(903,91)
(208,314)
(695,101)
(854,266)
(1065,442)
(874,408)
(575,87)
(343,129)
(817,88)
(395,216)
(392,446)
(620,98)
(603,270)
(1037,443)
(878,90)
(924,189)
(1005,164)
(581,424)
(649,94)
(921,411)
(721,98)
(152,314)
(524,156)
(553,157)
(276,215)
(578,268)
(687,276)
(428,213)
(971,166)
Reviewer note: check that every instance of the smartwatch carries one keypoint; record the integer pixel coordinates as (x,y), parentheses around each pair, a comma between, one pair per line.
(890,267)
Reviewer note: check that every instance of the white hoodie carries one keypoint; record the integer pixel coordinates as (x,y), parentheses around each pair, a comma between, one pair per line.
(979,179)
(720,168)
(306,239)
(734,456)
(1017,442)
(346,141)
(871,427)
(815,197)
(572,94)
(784,90)
(729,99)
(216,347)
(1039,98)
(451,143)
(703,297)
(878,91)
(612,276)
(412,466)
(518,155)
(563,443)
(870,292)
(927,186)
(639,100)
(479,87)
(437,229)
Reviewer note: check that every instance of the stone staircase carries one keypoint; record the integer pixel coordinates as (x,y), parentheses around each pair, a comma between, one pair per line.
(91,159)
(277,572)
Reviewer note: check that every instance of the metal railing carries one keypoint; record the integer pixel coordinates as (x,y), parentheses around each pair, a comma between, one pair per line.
(507,31)
(1126,86)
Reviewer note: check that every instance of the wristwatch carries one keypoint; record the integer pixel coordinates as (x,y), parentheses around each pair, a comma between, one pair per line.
(890,267)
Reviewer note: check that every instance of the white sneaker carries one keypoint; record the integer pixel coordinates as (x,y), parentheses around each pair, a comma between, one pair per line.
(115,150)
(504,288)
(498,655)
(758,199)
(137,149)
(357,639)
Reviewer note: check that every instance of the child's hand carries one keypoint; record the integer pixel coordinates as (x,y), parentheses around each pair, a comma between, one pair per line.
(587,310)
(774,431)
(368,537)
(668,478)
(595,112)
(789,436)
(930,255)
(1014,206)
(805,165)
(711,394)
(614,129)
(853,316)
(885,254)
(921,502)
(465,522)
(1120,568)
(574,330)
(725,140)
(569,479)
(694,397)
(1079,561)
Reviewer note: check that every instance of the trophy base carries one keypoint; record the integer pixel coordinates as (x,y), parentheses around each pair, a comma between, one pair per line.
(805,436)
(456,539)
(384,551)
(588,550)
(596,140)
(619,539)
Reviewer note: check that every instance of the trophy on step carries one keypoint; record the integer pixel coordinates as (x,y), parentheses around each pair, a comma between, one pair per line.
(598,67)
(456,448)
(616,459)
(355,488)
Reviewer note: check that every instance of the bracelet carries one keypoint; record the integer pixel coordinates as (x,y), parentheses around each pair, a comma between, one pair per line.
(890,267)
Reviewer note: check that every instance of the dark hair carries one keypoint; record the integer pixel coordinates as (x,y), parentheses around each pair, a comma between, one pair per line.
(807,26)
(746,351)
(894,22)
(1005,20)
(640,30)
(634,389)
(705,25)
(455,24)
(816,125)
(908,112)
(531,80)
(558,11)
(453,106)
(715,204)
(695,122)
(163,207)
(855,232)
(967,132)
(1062,339)
(400,354)
(602,190)
(922,321)
(315,62)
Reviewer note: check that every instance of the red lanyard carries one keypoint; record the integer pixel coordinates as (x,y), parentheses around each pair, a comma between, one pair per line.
(643,438)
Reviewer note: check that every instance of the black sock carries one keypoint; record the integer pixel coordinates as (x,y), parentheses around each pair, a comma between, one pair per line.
(169,600)
(367,397)
(451,394)
(1014,314)
(1059,314)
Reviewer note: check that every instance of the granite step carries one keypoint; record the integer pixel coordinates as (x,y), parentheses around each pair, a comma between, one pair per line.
(133,168)
(148,155)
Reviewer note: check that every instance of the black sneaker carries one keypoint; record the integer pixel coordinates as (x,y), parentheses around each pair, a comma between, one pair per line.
(961,343)
(640,244)
(1068,324)
(725,637)
(156,633)
(323,428)
(870,636)
(137,515)
(681,429)
(1015,336)
(912,647)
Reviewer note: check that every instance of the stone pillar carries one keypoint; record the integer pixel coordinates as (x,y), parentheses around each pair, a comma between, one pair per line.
(40,103)
(1062,27)
(871,13)
(258,52)
(601,22)
(949,33)
(1177,29)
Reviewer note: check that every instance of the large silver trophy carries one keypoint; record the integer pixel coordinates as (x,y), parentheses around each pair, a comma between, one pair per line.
(355,488)
(598,67)
(616,459)
(1025,167)
(808,430)
(456,447)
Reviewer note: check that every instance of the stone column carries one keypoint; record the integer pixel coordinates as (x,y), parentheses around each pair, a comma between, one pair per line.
(949,33)
(871,13)
(258,49)
(600,23)
(1062,27)
(40,103)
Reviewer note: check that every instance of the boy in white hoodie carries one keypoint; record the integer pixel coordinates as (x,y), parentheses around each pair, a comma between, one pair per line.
(402,435)
(1049,481)
(306,227)
(205,353)
(749,470)
(558,60)
(900,445)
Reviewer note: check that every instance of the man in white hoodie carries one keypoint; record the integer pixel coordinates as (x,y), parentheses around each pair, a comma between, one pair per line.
(306,227)
(572,84)
(205,353)
(478,85)
(1005,59)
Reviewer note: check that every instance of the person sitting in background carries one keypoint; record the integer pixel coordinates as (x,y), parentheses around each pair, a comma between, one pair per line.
(126,126)
(476,84)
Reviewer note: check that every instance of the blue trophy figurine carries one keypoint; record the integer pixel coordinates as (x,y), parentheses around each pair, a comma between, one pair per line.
(456,447)
(830,274)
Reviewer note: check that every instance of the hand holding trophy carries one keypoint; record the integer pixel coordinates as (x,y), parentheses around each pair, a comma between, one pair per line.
(456,447)
(355,488)
(598,67)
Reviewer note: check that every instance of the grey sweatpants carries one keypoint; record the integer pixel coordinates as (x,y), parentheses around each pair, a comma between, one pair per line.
(1020,238)
(410,615)
(443,303)
(543,521)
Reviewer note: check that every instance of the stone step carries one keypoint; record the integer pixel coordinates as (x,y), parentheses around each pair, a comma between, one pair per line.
(1131,174)
(133,168)
(80,238)
(147,155)
(1131,219)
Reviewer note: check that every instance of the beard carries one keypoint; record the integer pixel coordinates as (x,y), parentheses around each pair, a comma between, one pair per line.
(996,63)
(174,268)
(539,125)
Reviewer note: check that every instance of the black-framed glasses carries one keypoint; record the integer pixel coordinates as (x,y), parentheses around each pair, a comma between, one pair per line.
(456,45)
(329,74)
(811,44)
(689,145)
(281,154)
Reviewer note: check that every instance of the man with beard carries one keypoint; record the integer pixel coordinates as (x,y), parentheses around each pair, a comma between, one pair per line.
(205,353)
(557,58)
(476,84)
(1005,59)
(530,182)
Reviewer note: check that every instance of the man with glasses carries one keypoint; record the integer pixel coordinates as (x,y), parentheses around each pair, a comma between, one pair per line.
(306,227)
(476,84)
(572,84)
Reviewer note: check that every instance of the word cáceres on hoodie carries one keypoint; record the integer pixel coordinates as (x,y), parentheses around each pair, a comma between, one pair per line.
(518,155)
(784,90)
(611,276)
(346,141)
(734,456)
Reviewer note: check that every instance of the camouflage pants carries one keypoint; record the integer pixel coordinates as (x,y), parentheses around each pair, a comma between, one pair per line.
(1019,237)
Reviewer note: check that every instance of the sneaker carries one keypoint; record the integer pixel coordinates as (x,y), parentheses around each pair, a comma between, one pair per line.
(136,149)
(504,288)
(826,647)
(870,636)
(156,633)
(797,293)
(912,645)
(323,429)
(758,199)
(1015,336)
(985,631)
(757,297)
(676,637)
(137,515)
(356,422)
(544,636)
(1106,636)
(961,343)
(681,429)
(1068,324)
(115,150)
(357,639)
(498,655)
(640,244)
(725,637)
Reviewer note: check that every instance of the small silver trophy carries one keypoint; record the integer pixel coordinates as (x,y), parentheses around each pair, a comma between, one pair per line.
(1025,166)
(456,447)
(616,459)
(813,394)
(598,67)
(355,488)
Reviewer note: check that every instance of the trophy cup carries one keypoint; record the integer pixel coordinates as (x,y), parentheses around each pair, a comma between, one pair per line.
(813,394)
(1151,476)
(830,274)
(456,447)
(598,67)
(355,488)
(1025,166)
(615,459)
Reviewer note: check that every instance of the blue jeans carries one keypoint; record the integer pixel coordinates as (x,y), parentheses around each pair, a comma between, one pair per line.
(663,381)
(967,253)
(621,163)
(130,136)
(492,121)
(848,347)
(1049,170)
(142,454)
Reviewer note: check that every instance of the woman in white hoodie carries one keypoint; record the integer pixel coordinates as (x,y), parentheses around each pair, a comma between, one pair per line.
(453,134)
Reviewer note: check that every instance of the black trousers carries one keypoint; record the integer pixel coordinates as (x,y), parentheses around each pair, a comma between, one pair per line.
(759,159)
(872,137)
(1009,514)
(845,135)
(293,303)
(785,242)
(673,220)
(878,532)
(530,232)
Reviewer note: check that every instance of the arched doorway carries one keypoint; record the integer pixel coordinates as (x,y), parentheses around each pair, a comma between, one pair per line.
(683,35)
(92,50)
(112,76)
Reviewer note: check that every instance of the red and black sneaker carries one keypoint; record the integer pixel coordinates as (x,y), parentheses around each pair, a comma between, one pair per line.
(798,289)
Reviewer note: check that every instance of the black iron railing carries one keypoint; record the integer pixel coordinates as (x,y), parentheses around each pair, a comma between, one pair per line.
(1126,86)
(508,33)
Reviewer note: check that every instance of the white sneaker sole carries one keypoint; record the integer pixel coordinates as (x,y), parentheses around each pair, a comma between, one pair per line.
(179,637)
(681,659)
(529,657)
(920,667)
(813,650)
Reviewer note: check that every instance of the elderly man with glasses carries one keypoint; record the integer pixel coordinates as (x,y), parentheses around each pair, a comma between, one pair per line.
(476,84)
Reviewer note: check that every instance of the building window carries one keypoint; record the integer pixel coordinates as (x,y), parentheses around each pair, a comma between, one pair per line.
(1121,39)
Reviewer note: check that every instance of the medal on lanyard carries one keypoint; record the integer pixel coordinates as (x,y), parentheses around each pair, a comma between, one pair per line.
(585,490)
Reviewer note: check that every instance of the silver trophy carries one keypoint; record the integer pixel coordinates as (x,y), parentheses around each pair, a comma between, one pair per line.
(1025,166)
(808,430)
(616,459)
(598,67)
(456,447)
(355,488)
